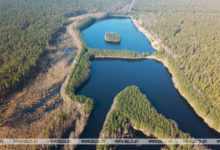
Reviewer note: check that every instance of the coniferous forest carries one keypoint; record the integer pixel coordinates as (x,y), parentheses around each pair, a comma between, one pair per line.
(27,28)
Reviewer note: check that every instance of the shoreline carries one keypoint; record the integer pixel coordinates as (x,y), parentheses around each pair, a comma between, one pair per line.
(101,134)
(144,129)
(156,45)
(75,110)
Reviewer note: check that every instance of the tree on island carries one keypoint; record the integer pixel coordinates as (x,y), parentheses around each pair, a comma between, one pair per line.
(112,37)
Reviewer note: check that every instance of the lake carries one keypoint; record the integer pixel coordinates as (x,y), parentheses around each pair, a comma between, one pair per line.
(108,77)
(131,38)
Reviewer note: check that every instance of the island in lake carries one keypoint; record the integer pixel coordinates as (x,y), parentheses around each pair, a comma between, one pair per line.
(112,37)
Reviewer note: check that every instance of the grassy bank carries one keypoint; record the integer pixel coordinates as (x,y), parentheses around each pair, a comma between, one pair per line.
(132,108)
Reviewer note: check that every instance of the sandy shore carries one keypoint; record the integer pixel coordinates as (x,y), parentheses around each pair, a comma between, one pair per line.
(156,44)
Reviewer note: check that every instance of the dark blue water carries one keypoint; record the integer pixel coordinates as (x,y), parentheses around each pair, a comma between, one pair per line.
(131,38)
(110,77)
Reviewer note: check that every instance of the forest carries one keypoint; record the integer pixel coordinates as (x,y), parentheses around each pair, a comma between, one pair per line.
(195,43)
(27,28)
(130,105)
(177,6)
(201,105)
(190,32)
(190,29)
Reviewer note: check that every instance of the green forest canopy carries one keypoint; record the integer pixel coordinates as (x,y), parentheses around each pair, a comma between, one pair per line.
(190,28)
(28,27)
(130,105)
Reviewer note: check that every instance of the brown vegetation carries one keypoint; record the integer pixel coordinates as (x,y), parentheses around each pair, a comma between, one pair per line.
(29,111)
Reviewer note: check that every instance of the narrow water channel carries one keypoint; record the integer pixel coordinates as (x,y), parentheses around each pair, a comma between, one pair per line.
(107,78)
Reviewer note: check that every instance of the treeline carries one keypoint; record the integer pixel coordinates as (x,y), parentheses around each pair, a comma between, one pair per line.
(117,54)
(200,104)
(192,34)
(131,105)
(80,75)
(197,49)
(178,6)
(193,41)
(28,27)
